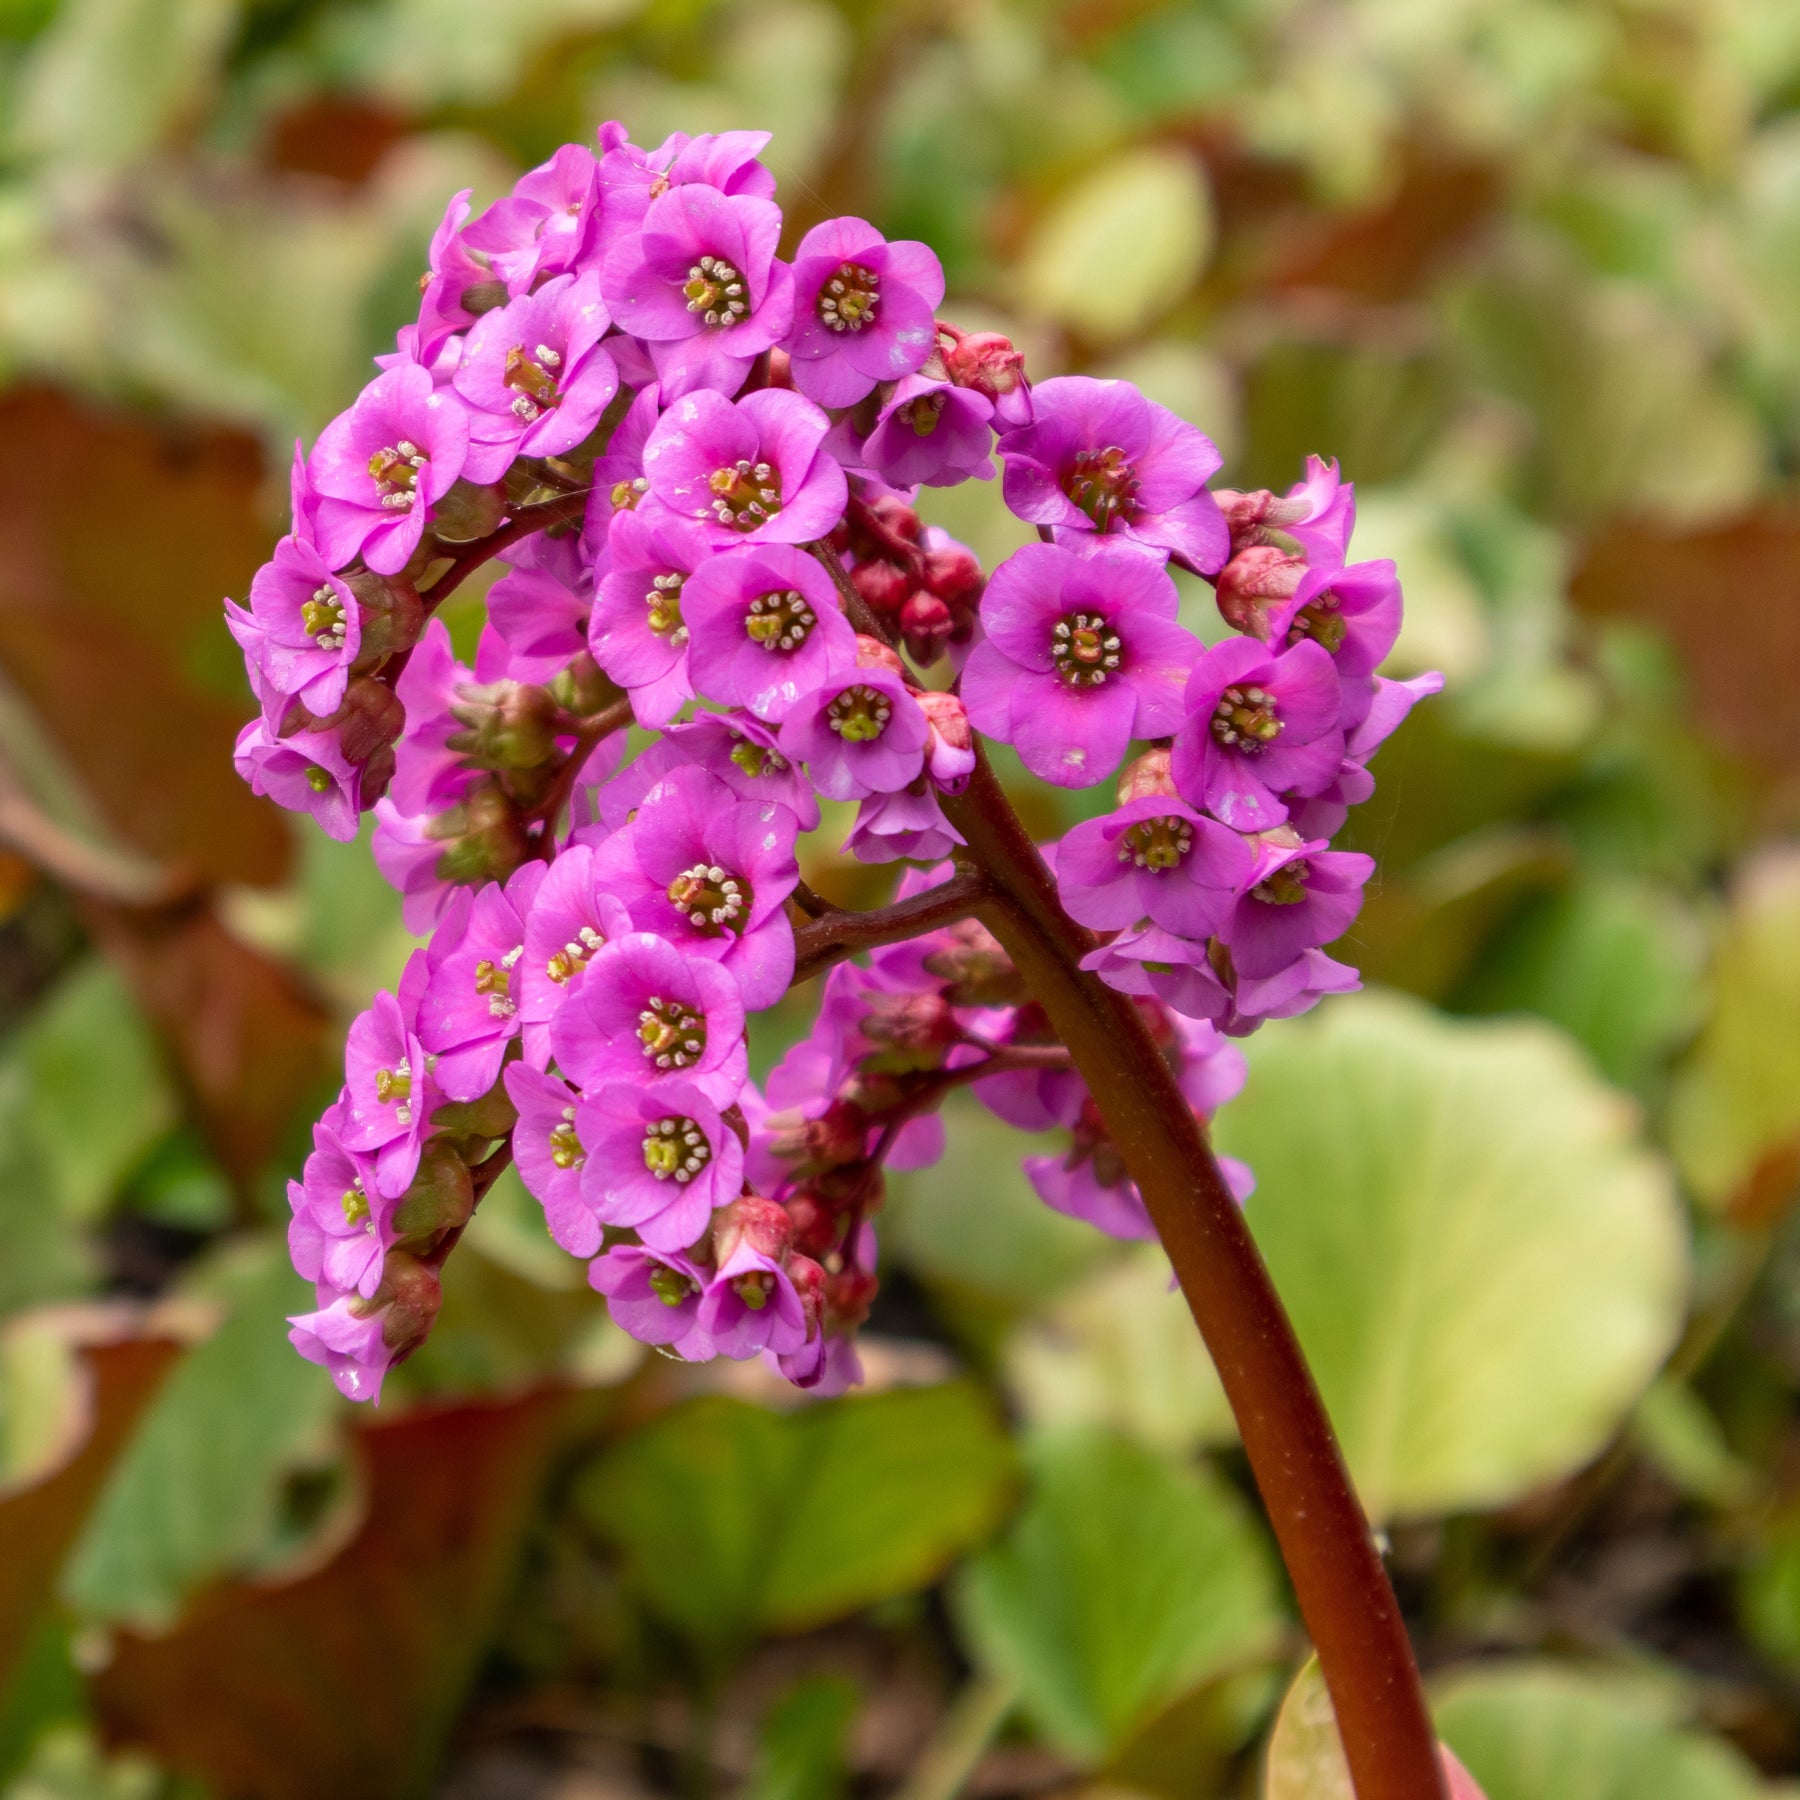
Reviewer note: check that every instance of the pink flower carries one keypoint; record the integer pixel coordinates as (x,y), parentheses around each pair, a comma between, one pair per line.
(542,620)
(1082,654)
(932,433)
(1352,613)
(657,1162)
(380,468)
(342,1226)
(311,627)
(654,1296)
(863,312)
(569,918)
(454,278)
(305,772)
(637,633)
(908,823)
(859,733)
(1302,896)
(345,1336)
(740,750)
(387,1099)
(546,225)
(550,1155)
(1154,858)
(750,1305)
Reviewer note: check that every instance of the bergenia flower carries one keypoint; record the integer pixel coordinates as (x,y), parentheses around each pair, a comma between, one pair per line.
(454,279)
(571,915)
(907,823)
(655,1296)
(637,632)
(306,771)
(545,225)
(550,1155)
(1354,614)
(750,1306)
(657,1162)
(1302,897)
(859,733)
(387,1098)
(542,619)
(311,627)
(933,434)
(1082,654)
(1100,457)
(1261,724)
(342,1224)
(864,310)
(344,1336)
(739,749)
(1154,858)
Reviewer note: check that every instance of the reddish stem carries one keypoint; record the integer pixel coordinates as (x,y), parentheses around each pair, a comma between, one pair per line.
(837,934)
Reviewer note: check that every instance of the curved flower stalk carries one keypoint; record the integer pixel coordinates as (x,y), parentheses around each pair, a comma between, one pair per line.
(698,464)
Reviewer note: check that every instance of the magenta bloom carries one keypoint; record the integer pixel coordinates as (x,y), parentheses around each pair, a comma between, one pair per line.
(646,1013)
(859,733)
(933,434)
(710,873)
(740,750)
(1151,963)
(1154,858)
(906,824)
(619,479)
(1319,513)
(551,1156)
(541,619)
(429,774)
(380,468)
(1354,614)
(311,627)
(1261,724)
(864,310)
(1289,992)
(409,859)
(305,772)
(765,626)
(1102,1196)
(545,226)
(637,633)
(535,375)
(341,1226)
(1303,896)
(470,1012)
(700,283)
(1099,456)
(1082,654)
(725,160)
(345,1337)
(386,1101)
(755,469)
(569,918)
(655,1297)
(750,1305)
(658,1162)
(451,273)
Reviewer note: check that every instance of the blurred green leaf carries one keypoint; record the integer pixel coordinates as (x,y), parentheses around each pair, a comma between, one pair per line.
(1536,1731)
(1737,1097)
(1121,245)
(1483,1262)
(1126,1581)
(100,1096)
(198,1488)
(734,1520)
(46,1259)
(800,1749)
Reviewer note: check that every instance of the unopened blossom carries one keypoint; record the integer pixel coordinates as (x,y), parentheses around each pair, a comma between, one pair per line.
(1082,654)
(638,633)
(1099,456)
(1155,858)
(654,1296)
(305,771)
(380,468)
(1302,896)
(699,281)
(859,733)
(647,1013)
(950,747)
(311,627)
(711,874)
(1261,725)
(864,310)
(387,1096)
(754,470)
(1315,516)
(765,627)
(658,1161)
(932,433)
(342,1224)
(535,375)
(991,365)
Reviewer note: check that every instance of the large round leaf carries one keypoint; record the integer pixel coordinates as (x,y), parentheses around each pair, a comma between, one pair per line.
(1484,1263)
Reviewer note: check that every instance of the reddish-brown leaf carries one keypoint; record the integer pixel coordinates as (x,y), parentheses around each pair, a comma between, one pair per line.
(119,537)
(346,1681)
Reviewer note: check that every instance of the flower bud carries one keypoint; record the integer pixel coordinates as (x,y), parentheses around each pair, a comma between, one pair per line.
(809,1283)
(507,725)
(440,1200)
(482,837)
(974,969)
(926,624)
(1147,778)
(483,296)
(950,751)
(392,616)
(1253,583)
(815,1222)
(872,653)
(412,1294)
(754,1221)
(896,517)
(377,772)
(883,586)
(989,363)
(917,1030)
(467,512)
(582,689)
(953,574)
(369,718)
(848,1296)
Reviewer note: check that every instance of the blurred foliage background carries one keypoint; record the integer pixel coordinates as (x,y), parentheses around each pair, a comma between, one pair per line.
(1531,268)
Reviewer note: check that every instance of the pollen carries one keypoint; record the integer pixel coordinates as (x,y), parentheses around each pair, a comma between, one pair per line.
(675,1149)
(1246,719)
(847,302)
(780,621)
(673,1035)
(715,290)
(1085,649)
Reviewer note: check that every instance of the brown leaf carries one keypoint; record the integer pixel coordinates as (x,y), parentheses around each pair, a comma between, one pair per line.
(121,1364)
(119,537)
(346,1681)
(250,1041)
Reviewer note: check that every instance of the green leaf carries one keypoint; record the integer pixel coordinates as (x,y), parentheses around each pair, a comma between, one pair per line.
(734,1520)
(101,1097)
(1737,1099)
(1483,1262)
(1122,245)
(800,1755)
(197,1491)
(1536,1731)
(1126,1582)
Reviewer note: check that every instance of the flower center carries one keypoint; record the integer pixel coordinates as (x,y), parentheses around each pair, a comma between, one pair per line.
(673,1035)
(533,374)
(565,1147)
(757,760)
(1245,719)
(714,899)
(319,780)
(572,958)
(663,601)
(754,1288)
(1285,886)
(715,290)
(1086,649)
(676,1149)
(1157,844)
(1320,620)
(781,621)
(923,413)
(847,300)
(1104,485)
(322,619)
(393,1087)
(395,471)
(859,714)
(670,1286)
(355,1203)
(745,494)
(626,494)
(494,979)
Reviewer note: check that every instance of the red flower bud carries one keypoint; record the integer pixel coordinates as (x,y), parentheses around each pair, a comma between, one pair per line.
(988,363)
(872,653)
(926,623)
(1147,778)
(752,1220)
(1253,583)
(953,574)
(882,585)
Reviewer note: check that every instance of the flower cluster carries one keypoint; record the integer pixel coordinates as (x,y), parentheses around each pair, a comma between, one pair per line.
(699,463)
